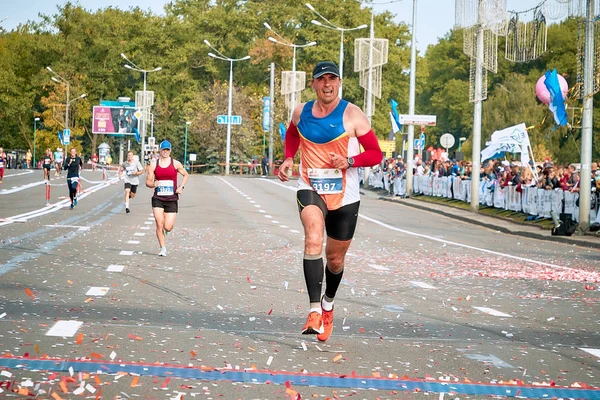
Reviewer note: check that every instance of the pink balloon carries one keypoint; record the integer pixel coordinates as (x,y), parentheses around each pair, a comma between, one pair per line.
(544,95)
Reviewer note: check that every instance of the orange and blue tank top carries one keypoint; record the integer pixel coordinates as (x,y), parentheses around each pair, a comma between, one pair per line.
(319,137)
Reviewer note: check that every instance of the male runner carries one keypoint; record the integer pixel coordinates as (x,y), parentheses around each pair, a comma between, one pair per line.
(58,160)
(47,161)
(328,132)
(2,163)
(73,165)
(162,177)
(132,168)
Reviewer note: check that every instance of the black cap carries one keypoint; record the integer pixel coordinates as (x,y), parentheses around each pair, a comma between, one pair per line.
(325,67)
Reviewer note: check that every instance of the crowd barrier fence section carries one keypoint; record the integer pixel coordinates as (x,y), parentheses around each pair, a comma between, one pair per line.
(529,200)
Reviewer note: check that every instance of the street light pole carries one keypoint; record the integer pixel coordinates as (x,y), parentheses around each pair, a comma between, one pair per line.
(337,28)
(35,120)
(134,67)
(223,57)
(282,41)
(185,144)
(59,79)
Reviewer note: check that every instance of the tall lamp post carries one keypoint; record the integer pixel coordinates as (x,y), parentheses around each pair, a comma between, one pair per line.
(221,56)
(334,27)
(282,41)
(35,120)
(59,79)
(185,143)
(132,66)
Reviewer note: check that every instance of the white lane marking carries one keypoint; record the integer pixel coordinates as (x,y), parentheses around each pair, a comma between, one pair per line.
(145,227)
(262,211)
(126,253)
(23,187)
(2,315)
(115,268)
(20,173)
(594,352)
(139,234)
(133,242)
(53,208)
(257,205)
(148,222)
(423,285)
(97,291)
(64,328)
(283,226)
(268,216)
(379,267)
(81,228)
(493,312)
(294,231)
(489,359)
(275,222)
(466,246)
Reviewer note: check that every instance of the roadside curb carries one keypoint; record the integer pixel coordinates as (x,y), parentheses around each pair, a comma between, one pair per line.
(497,227)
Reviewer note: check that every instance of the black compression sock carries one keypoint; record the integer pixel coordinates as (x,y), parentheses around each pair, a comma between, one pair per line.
(333,282)
(313,275)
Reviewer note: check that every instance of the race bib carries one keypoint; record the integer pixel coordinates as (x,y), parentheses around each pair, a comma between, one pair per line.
(129,171)
(325,180)
(165,188)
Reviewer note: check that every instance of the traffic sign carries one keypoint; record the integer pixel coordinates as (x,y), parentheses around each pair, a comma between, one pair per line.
(66,137)
(427,120)
(235,119)
(447,140)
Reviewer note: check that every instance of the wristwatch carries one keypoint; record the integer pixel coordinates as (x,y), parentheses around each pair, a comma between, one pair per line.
(350,161)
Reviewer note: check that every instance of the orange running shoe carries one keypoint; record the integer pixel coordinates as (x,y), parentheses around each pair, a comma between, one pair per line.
(314,324)
(327,325)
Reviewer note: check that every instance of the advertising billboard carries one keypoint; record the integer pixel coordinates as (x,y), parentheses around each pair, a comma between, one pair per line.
(110,120)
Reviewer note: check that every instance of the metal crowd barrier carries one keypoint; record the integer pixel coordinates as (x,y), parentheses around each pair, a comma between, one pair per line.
(529,200)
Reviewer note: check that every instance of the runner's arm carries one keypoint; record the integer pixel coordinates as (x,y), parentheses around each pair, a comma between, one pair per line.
(366,137)
(150,177)
(184,173)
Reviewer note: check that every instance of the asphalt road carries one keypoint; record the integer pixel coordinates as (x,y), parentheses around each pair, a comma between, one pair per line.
(427,306)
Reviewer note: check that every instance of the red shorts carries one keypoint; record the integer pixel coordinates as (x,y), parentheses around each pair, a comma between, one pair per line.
(1,173)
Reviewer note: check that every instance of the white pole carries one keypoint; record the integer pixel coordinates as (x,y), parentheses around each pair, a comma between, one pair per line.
(293,97)
(370,83)
(410,157)
(341,64)
(271,119)
(585,183)
(229,118)
(477,120)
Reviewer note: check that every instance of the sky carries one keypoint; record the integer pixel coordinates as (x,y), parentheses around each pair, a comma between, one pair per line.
(430,25)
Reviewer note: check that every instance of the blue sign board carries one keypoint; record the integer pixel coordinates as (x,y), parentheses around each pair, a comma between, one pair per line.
(266,113)
(235,119)
(66,137)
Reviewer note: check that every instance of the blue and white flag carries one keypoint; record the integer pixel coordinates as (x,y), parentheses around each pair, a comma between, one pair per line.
(395,119)
(282,130)
(557,102)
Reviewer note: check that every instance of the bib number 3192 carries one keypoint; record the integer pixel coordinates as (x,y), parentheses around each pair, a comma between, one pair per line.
(325,180)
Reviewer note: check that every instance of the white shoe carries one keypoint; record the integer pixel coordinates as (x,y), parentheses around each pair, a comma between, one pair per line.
(163,252)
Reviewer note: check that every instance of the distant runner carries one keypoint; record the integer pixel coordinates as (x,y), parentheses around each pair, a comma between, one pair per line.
(2,163)
(73,165)
(47,162)
(58,160)
(132,168)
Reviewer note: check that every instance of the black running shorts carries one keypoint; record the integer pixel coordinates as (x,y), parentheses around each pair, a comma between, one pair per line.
(132,188)
(168,206)
(340,224)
